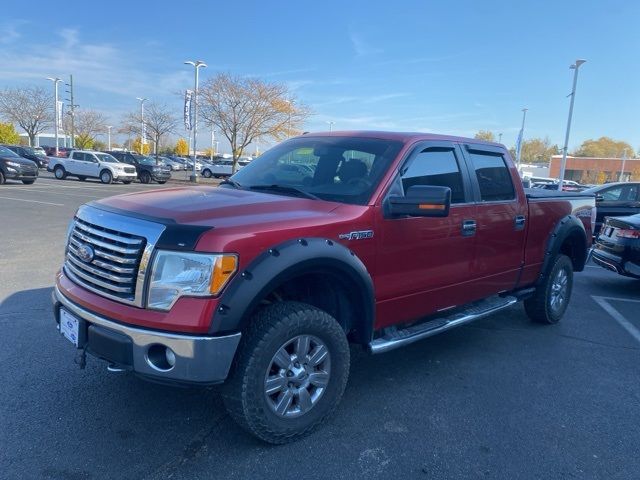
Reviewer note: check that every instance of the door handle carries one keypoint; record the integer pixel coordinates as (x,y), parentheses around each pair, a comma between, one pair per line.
(519,222)
(469,228)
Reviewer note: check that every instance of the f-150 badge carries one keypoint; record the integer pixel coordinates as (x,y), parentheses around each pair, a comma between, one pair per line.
(359,235)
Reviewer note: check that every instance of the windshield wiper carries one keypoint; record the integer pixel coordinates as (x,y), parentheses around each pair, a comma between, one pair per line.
(233,183)
(285,189)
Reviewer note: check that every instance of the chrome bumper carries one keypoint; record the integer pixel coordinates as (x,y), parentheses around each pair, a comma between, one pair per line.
(198,359)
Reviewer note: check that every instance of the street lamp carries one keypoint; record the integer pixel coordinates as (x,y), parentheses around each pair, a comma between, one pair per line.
(109,127)
(196,65)
(142,100)
(520,139)
(331,126)
(624,159)
(563,165)
(499,138)
(213,141)
(55,81)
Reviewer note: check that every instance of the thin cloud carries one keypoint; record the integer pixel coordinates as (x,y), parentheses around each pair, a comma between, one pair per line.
(361,47)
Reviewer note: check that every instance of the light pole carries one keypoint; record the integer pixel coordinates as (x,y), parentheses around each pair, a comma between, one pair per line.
(499,138)
(196,65)
(109,127)
(213,141)
(142,100)
(624,159)
(520,139)
(563,165)
(331,126)
(55,81)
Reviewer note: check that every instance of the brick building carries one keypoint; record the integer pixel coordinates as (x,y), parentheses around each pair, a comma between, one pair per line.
(595,170)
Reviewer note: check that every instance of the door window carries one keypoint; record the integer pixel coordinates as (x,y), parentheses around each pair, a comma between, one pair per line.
(436,167)
(78,156)
(493,176)
(620,193)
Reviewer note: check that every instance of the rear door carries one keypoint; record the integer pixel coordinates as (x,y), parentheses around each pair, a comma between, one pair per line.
(424,263)
(617,201)
(501,219)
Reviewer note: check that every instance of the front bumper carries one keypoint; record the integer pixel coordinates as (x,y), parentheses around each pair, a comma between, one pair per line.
(127,177)
(199,360)
(160,176)
(21,174)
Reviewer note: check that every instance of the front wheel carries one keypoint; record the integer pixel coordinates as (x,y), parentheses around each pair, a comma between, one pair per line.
(206,173)
(145,177)
(106,177)
(290,372)
(552,296)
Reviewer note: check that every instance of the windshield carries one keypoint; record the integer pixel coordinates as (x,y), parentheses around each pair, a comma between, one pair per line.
(144,160)
(340,169)
(105,157)
(5,152)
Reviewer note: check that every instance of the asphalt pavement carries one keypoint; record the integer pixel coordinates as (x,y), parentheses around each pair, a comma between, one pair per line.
(502,398)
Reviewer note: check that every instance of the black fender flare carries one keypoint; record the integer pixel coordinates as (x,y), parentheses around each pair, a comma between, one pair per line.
(284,262)
(567,226)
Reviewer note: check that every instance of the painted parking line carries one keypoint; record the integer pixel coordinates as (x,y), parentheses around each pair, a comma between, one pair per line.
(33,201)
(604,302)
(43,190)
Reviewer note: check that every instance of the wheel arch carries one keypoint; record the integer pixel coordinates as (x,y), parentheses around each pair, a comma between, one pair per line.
(335,280)
(569,238)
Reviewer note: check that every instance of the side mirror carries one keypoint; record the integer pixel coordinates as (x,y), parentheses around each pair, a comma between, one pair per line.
(422,201)
(599,197)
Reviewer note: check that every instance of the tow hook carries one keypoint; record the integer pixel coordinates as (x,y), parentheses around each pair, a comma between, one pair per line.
(81,359)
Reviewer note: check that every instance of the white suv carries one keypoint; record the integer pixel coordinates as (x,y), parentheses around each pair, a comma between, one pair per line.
(84,164)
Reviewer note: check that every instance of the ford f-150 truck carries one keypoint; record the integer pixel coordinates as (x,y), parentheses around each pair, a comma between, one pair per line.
(374,238)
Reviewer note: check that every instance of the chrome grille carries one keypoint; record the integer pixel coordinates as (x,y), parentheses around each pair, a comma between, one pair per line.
(129,170)
(116,258)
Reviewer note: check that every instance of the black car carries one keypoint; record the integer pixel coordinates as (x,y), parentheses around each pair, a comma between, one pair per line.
(615,200)
(14,167)
(37,155)
(146,167)
(618,245)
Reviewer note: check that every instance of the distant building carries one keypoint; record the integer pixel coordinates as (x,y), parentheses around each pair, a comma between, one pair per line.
(596,170)
(48,139)
(539,170)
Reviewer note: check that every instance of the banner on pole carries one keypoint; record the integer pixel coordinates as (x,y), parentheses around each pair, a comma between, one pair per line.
(60,117)
(188,95)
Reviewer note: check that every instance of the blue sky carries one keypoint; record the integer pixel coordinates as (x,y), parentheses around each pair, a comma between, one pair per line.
(445,67)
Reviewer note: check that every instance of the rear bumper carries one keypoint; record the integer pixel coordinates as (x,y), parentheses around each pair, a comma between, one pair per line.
(616,264)
(199,360)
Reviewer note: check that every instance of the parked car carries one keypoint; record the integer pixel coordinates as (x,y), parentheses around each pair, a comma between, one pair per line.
(62,151)
(221,168)
(567,186)
(260,283)
(617,247)
(146,167)
(35,154)
(172,164)
(84,164)
(615,199)
(15,167)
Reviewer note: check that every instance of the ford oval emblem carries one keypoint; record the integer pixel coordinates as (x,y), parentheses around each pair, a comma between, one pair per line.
(86,253)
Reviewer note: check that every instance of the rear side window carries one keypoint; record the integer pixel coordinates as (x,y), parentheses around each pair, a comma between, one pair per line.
(436,167)
(493,176)
(77,156)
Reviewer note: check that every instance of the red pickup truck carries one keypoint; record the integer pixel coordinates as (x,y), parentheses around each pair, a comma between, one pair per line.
(371,238)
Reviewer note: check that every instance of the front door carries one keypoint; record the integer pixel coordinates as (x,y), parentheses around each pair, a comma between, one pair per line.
(424,263)
(617,201)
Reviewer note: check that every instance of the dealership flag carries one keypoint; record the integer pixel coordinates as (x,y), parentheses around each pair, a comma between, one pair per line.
(60,108)
(188,95)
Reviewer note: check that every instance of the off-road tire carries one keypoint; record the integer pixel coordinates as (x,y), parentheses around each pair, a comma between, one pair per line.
(106,177)
(145,177)
(539,306)
(244,392)
(60,173)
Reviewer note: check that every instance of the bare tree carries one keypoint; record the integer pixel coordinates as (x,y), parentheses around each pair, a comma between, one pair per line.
(158,121)
(90,123)
(31,108)
(243,109)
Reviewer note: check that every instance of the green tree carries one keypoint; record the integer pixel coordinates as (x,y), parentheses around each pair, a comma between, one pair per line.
(8,134)
(84,141)
(485,135)
(536,150)
(181,148)
(604,147)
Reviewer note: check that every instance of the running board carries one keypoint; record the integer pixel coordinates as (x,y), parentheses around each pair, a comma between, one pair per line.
(396,338)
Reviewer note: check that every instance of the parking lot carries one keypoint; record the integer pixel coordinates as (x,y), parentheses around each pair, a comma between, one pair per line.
(500,398)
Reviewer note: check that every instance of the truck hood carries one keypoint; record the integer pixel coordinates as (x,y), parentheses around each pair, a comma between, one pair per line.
(216,207)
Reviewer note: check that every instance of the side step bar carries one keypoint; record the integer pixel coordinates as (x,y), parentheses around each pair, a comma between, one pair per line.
(396,338)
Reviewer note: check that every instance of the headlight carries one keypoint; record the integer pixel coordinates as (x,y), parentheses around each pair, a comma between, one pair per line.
(179,274)
(13,164)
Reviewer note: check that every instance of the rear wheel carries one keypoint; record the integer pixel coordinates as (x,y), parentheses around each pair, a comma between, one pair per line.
(106,177)
(28,182)
(552,296)
(145,177)
(290,372)
(60,172)
(206,173)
